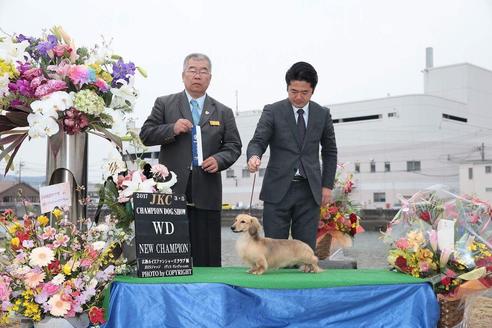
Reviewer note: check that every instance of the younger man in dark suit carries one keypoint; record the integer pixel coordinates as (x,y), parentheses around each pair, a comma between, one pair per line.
(295,185)
(169,125)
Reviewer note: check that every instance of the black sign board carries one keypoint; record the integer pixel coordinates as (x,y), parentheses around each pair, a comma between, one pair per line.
(162,235)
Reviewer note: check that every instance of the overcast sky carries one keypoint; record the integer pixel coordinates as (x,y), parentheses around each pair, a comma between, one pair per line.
(361,49)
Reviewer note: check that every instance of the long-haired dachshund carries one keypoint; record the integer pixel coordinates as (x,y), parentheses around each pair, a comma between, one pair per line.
(263,253)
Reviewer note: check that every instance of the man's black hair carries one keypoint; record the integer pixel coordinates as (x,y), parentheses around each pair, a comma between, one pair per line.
(302,71)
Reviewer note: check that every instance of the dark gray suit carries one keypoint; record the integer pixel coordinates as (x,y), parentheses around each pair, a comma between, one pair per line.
(220,139)
(277,128)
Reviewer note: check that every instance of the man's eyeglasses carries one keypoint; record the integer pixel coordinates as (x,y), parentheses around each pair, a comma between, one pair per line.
(201,72)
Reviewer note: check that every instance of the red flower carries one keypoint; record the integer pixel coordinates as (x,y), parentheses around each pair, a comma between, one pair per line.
(425,216)
(22,235)
(333,210)
(54,267)
(401,262)
(446,281)
(96,315)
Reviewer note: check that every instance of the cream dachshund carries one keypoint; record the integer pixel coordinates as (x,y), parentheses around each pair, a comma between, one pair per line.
(264,253)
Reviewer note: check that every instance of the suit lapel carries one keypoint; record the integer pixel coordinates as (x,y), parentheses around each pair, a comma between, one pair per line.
(184,107)
(291,119)
(208,110)
(312,119)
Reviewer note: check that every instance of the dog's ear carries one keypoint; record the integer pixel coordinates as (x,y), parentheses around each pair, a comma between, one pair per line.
(254,227)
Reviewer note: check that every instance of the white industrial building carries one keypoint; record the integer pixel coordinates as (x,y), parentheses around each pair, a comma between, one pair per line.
(399,145)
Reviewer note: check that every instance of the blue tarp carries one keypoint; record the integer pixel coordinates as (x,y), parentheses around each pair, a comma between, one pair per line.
(221,305)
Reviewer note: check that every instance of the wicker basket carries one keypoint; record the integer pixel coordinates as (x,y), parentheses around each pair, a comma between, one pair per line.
(452,314)
(323,247)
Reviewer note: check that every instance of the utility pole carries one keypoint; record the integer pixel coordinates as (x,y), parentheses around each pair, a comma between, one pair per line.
(482,151)
(21,164)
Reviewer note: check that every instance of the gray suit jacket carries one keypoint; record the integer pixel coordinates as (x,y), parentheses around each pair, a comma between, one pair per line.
(277,128)
(220,141)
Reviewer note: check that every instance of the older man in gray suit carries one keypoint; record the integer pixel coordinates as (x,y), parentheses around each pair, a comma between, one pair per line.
(170,125)
(295,185)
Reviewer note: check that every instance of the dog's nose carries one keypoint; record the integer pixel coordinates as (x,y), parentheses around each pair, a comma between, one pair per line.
(232,228)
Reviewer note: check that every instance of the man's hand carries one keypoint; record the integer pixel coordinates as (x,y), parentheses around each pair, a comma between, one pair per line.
(254,163)
(325,196)
(210,165)
(182,126)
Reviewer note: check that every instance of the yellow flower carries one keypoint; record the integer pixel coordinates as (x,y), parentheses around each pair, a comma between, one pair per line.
(415,239)
(8,68)
(57,213)
(67,269)
(15,242)
(424,253)
(43,220)
(13,228)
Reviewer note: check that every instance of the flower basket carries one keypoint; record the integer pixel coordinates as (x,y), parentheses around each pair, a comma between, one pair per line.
(452,314)
(339,221)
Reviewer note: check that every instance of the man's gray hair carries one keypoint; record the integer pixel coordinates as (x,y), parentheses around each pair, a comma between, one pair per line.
(197,56)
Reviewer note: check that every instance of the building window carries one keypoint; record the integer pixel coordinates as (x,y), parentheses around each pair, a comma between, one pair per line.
(379,197)
(357,167)
(488,189)
(393,114)
(230,173)
(488,169)
(373,166)
(262,172)
(246,173)
(387,167)
(470,173)
(8,199)
(413,166)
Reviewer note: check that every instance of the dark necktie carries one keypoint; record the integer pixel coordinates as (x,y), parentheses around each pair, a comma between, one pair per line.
(301,130)
(301,125)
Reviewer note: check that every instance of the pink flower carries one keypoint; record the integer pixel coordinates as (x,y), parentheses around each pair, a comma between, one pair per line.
(424,266)
(160,170)
(60,49)
(402,243)
(34,278)
(49,87)
(61,70)
(5,289)
(61,240)
(49,233)
(58,306)
(79,74)
(86,263)
(102,85)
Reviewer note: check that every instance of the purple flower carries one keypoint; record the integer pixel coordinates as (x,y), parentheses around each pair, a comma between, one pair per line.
(22,87)
(23,67)
(122,70)
(74,121)
(46,46)
(22,37)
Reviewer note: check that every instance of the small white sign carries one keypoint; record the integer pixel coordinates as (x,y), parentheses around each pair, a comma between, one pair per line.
(57,195)
(445,234)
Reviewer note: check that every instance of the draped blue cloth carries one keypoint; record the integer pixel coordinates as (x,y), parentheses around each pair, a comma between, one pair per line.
(221,305)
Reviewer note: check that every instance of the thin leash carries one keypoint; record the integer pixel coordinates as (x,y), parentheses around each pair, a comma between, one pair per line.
(252,192)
